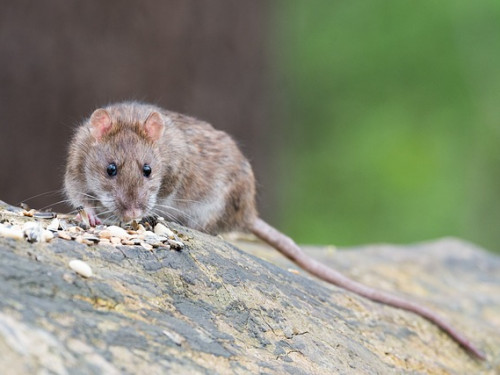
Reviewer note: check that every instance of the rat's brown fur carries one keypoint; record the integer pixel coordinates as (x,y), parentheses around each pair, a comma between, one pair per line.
(199,178)
(197,171)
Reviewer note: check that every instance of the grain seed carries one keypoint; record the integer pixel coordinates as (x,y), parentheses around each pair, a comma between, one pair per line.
(54,225)
(64,235)
(177,245)
(116,241)
(32,231)
(146,246)
(11,232)
(80,267)
(44,215)
(117,232)
(47,235)
(162,230)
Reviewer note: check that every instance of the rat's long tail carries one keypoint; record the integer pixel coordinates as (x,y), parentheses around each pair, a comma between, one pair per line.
(289,248)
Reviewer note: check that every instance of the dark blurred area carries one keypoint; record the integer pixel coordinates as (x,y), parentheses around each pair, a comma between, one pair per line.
(60,60)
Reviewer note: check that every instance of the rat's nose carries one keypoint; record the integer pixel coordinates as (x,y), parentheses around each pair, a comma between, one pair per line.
(132,213)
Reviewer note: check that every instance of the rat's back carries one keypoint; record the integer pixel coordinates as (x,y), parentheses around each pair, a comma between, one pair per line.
(217,190)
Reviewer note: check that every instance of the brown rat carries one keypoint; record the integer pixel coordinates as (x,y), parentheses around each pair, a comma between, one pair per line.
(130,160)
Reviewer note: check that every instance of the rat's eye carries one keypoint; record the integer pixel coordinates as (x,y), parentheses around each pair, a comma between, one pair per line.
(146,170)
(111,169)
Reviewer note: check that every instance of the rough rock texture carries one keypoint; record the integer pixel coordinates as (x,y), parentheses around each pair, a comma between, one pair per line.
(214,309)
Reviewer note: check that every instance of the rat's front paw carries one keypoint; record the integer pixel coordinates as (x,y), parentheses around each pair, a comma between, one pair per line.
(88,216)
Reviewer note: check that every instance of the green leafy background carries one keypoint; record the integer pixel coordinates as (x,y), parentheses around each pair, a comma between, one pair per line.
(391,119)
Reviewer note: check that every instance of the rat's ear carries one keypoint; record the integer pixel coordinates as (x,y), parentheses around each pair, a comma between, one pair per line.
(154,126)
(100,123)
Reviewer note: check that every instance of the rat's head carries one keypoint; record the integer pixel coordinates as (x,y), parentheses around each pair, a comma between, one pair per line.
(123,168)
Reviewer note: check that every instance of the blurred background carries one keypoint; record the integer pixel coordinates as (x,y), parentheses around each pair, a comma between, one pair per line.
(366,122)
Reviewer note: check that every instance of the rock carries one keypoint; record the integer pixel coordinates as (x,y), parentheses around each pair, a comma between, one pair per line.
(214,309)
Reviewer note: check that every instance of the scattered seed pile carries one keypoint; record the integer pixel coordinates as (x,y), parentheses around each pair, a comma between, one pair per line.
(151,233)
